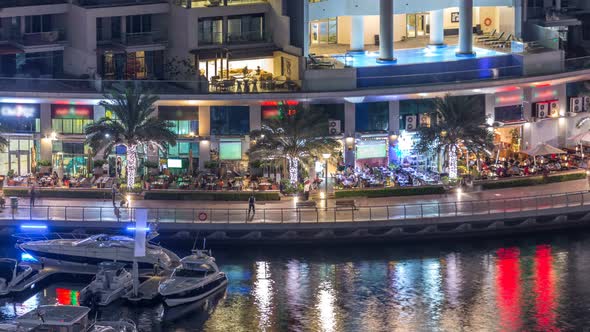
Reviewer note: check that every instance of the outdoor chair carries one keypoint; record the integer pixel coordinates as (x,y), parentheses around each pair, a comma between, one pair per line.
(489,40)
(316,63)
(500,42)
(486,35)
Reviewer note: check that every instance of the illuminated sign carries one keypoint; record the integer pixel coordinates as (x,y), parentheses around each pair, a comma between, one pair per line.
(72,111)
(372,150)
(174,163)
(20,110)
(230,150)
(272,109)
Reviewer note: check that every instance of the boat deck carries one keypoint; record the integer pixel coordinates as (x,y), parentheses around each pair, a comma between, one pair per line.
(148,290)
(40,273)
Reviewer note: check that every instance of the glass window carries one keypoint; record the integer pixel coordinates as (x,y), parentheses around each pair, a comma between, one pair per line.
(331,112)
(246,28)
(230,120)
(70,126)
(210,31)
(371,117)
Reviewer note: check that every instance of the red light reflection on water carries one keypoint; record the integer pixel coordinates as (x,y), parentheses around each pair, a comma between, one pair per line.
(544,289)
(508,289)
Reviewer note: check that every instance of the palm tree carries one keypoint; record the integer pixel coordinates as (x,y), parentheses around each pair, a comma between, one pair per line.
(297,135)
(133,125)
(3,140)
(459,122)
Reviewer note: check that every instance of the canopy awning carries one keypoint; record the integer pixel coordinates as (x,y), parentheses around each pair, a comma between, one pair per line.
(543,149)
(583,137)
(235,53)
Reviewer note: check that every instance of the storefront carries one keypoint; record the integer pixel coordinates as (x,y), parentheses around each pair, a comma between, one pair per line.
(22,122)
(71,119)
(508,123)
(70,158)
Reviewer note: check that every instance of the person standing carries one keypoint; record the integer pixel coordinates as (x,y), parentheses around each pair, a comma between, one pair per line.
(252,204)
(32,195)
(114,193)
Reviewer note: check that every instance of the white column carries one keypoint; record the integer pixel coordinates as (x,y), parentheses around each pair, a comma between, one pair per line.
(394,117)
(518,18)
(306,32)
(527,134)
(204,135)
(357,33)
(255,117)
(437,27)
(46,130)
(349,133)
(386,30)
(465,27)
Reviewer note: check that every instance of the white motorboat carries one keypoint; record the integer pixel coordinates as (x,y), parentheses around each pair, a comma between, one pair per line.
(196,278)
(94,249)
(11,274)
(110,283)
(64,318)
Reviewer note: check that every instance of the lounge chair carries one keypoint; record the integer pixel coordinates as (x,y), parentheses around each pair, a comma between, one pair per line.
(501,43)
(486,35)
(491,40)
(317,63)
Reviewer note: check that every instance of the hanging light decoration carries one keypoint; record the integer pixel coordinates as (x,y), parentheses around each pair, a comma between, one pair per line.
(293,169)
(131,165)
(453,172)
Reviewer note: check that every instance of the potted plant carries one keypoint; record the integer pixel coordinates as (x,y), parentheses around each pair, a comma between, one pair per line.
(44,166)
(98,167)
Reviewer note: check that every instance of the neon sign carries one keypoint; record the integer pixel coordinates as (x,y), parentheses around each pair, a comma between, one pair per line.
(71,111)
(18,110)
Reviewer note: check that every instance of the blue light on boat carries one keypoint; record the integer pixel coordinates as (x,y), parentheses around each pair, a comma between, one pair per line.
(27,257)
(33,226)
(132,229)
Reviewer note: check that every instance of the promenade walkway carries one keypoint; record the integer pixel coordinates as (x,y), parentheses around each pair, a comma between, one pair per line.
(487,202)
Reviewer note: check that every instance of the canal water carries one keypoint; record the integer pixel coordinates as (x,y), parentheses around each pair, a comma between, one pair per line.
(534,283)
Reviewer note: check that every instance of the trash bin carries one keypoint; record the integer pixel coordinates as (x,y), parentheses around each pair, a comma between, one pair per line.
(14,202)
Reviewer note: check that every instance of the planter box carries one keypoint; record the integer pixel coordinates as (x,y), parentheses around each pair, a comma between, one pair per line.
(391,192)
(187,195)
(60,193)
(533,180)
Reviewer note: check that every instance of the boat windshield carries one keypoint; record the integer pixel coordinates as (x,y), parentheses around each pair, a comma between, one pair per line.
(194,273)
(6,270)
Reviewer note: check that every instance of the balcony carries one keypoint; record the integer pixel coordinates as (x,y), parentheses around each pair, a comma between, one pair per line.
(245,37)
(145,38)
(115,3)
(217,3)
(24,3)
(40,39)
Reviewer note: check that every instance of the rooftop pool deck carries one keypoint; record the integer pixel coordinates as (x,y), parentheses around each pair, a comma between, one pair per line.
(414,56)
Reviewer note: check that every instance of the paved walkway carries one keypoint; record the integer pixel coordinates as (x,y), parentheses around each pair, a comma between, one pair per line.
(554,188)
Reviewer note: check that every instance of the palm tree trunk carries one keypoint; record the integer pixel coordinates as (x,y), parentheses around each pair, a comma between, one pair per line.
(452,162)
(293,169)
(131,166)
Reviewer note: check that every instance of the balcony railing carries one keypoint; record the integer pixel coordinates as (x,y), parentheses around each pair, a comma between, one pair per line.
(215,3)
(402,214)
(109,3)
(24,3)
(245,37)
(284,85)
(145,38)
(41,38)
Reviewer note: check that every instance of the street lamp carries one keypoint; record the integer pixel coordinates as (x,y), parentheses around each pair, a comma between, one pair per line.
(326,157)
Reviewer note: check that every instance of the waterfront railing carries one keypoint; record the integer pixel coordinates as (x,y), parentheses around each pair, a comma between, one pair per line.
(406,213)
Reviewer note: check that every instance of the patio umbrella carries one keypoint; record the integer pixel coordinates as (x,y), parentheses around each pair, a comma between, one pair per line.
(542,149)
(579,139)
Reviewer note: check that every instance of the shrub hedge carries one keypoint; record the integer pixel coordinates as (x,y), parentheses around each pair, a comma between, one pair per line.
(208,196)
(390,192)
(533,181)
(58,193)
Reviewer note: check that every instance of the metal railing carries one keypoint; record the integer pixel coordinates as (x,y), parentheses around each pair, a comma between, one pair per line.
(321,84)
(499,208)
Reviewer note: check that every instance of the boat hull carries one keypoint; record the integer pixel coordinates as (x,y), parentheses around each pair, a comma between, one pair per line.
(188,296)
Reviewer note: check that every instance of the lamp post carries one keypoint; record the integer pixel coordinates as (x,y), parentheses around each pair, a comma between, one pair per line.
(326,157)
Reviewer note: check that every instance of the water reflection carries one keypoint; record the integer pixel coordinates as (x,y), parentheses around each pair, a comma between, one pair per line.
(528,286)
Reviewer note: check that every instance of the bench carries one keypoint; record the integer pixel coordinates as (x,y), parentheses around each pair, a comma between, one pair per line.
(306,205)
(347,203)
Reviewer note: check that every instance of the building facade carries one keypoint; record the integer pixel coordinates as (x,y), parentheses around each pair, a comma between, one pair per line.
(221,67)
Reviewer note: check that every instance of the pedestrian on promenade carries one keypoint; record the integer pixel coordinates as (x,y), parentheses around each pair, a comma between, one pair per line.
(252,204)
(114,193)
(32,195)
